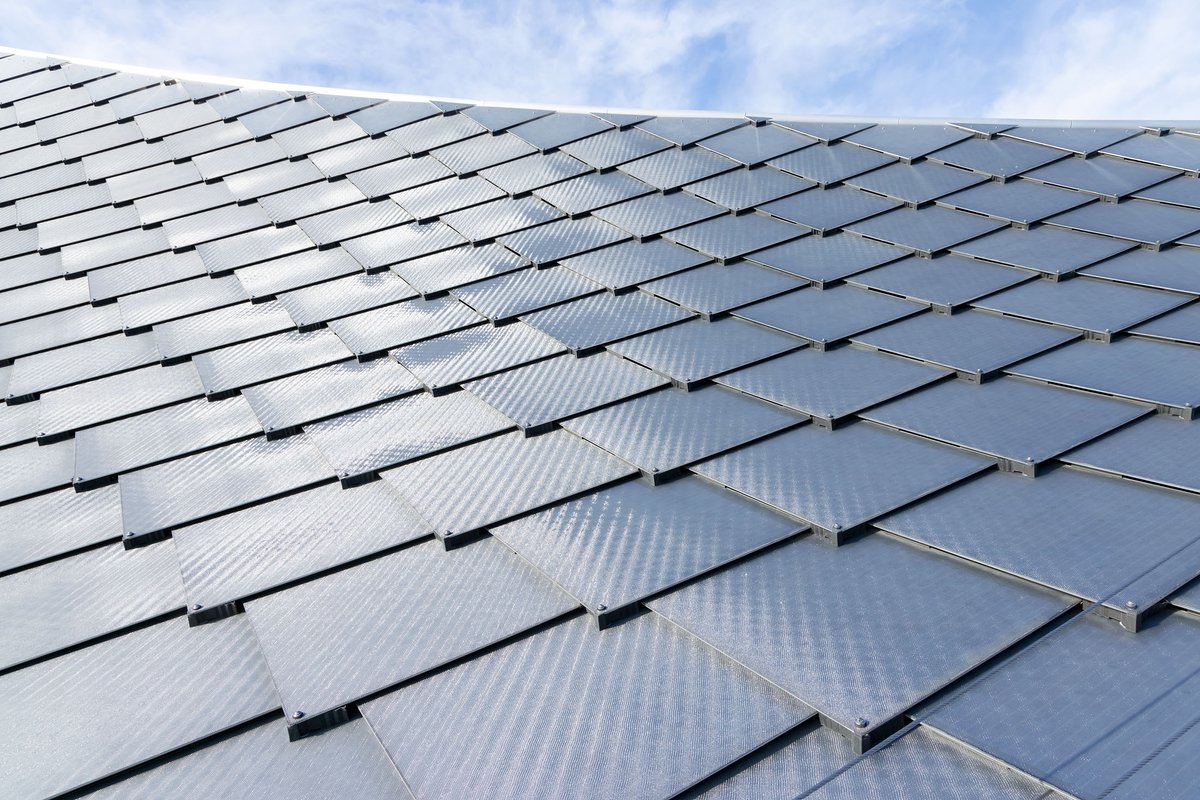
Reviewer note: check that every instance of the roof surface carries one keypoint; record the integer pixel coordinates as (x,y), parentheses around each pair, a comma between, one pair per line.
(408,448)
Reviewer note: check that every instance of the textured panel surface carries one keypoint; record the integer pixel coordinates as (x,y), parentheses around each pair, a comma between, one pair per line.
(828,315)
(447,604)
(1160,450)
(858,655)
(450,736)
(617,546)
(601,319)
(56,523)
(473,353)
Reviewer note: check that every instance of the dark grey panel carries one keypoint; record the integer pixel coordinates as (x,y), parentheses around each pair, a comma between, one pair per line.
(547,391)
(1137,220)
(534,171)
(450,604)
(716,288)
(60,522)
(695,351)
(160,435)
(829,209)
(999,158)
(916,183)
(1177,268)
(219,679)
(298,399)
(859,658)
(615,147)
(1098,307)
(975,343)
(79,362)
(343,296)
(1118,710)
(601,319)
(907,141)
(655,213)
(220,327)
(829,315)
(623,266)
(821,259)
(837,480)
(216,481)
(922,764)
(743,189)
(945,283)
(832,384)
(728,236)
(1097,537)
(592,191)
(1019,201)
(1178,326)
(116,396)
(689,130)
(1019,422)
(1159,450)
(399,324)
(402,244)
(271,544)
(32,468)
(523,474)
(454,358)
(926,231)
(83,597)
(261,763)
(672,168)
(755,144)
(456,267)
(363,442)
(622,544)
(1156,372)
(1181,191)
(663,431)
(1110,178)
(260,360)
(1181,152)
(1081,141)
(507,740)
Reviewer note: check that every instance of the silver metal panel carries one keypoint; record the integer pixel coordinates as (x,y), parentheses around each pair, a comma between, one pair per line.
(921,765)
(198,486)
(281,117)
(859,656)
(426,134)
(1182,152)
(472,155)
(310,199)
(601,319)
(251,247)
(506,297)
(719,287)
(1111,178)
(1097,537)
(615,147)
(684,131)
(83,597)
(1139,369)
(625,265)
(673,168)
(392,114)
(261,763)
(1159,450)
(926,231)
(945,282)
(397,176)
(220,327)
(362,442)
(46,179)
(450,194)
(755,144)
(1095,306)
(60,522)
(268,278)
(57,329)
(1181,191)
(975,343)
(32,468)
(457,357)
(80,362)
(353,220)
(546,392)
(832,384)
(828,315)
(826,210)
(243,101)
(239,157)
(18,423)
(485,222)
(743,189)
(837,480)
(116,396)
(269,178)
(1021,422)
(183,201)
(272,544)
(31,268)
(728,236)
(695,351)
(402,323)
(999,158)
(480,485)
(127,158)
(1178,326)
(1078,140)
(1115,712)
(214,224)
(1140,221)
(781,770)
(827,258)
(260,360)
(916,183)
(450,737)
(652,214)
(402,244)
(558,129)
(357,155)
(113,249)
(448,604)
(439,272)
(218,680)
(498,118)
(620,545)
(562,239)
(86,225)
(323,392)
(320,134)
(533,172)
(42,298)
(204,139)
(341,297)
(663,431)
(166,121)
(1177,269)
(146,273)
(907,141)
(161,435)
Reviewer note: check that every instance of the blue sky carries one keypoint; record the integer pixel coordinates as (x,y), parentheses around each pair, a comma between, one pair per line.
(1081,59)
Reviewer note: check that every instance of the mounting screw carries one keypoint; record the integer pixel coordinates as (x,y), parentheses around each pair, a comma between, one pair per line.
(601,607)
(128,534)
(862,722)
(40,433)
(197,606)
(297,715)
(344,474)
(837,526)
(270,427)
(1029,459)
(1132,606)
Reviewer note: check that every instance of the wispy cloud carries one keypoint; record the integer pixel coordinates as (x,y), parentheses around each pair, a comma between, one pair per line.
(867,57)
